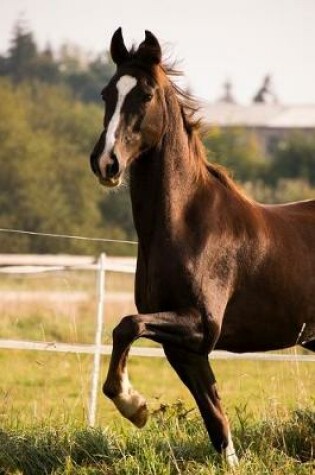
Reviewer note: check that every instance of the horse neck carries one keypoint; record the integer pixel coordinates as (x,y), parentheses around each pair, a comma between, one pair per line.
(173,190)
(164,178)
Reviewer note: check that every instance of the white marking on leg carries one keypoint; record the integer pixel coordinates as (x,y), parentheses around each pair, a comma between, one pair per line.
(124,85)
(128,401)
(229,453)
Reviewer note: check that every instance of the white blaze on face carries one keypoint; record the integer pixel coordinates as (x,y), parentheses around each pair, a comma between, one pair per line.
(124,85)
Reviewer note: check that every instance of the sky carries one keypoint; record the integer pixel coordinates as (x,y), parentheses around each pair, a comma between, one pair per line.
(213,40)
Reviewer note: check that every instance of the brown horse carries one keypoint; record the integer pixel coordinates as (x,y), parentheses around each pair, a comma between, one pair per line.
(215,269)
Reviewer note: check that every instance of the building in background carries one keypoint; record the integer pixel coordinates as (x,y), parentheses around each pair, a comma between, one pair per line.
(266,118)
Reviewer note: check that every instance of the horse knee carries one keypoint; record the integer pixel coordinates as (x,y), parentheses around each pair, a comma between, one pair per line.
(127,330)
(212,330)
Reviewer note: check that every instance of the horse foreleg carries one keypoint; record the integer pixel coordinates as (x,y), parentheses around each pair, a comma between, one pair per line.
(117,385)
(195,372)
(182,330)
(186,339)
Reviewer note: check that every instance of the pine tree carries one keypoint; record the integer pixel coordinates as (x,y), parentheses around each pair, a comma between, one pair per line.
(22,54)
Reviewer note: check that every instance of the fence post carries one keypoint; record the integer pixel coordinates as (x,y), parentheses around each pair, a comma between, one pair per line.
(98,340)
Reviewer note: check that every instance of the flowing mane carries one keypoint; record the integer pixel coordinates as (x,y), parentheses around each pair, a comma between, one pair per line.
(195,127)
(190,106)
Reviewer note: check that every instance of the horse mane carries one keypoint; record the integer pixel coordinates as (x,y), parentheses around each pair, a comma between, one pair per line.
(194,126)
(189,104)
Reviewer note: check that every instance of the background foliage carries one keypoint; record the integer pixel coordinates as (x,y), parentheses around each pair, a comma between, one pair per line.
(50,117)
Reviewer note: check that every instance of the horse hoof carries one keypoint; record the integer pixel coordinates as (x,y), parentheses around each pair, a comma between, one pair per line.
(232,461)
(140,417)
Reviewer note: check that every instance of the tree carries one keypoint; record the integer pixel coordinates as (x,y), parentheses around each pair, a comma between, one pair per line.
(237,150)
(45,182)
(22,56)
(72,66)
(47,69)
(294,158)
(86,82)
(116,208)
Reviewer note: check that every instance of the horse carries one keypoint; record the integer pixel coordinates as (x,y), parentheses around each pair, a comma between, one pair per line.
(215,269)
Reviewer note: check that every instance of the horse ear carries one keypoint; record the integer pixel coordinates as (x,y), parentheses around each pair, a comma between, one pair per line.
(150,49)
(118,50)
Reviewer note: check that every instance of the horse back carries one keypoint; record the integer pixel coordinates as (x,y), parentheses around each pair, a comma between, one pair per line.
(293,225)
(298,210)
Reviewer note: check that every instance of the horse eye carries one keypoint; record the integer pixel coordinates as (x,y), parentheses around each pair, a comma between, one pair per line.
(147,97)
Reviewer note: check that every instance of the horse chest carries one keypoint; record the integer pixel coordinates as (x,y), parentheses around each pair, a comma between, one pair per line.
(162,284)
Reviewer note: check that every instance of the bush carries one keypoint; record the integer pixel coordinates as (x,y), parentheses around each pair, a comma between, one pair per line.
(294,158)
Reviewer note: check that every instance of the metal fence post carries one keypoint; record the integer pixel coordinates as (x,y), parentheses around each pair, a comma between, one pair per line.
(98,340)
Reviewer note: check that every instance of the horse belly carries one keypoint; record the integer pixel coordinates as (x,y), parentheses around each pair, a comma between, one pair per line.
(273,304)
(258,323)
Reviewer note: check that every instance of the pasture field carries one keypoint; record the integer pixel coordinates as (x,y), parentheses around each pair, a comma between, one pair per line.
(44,396)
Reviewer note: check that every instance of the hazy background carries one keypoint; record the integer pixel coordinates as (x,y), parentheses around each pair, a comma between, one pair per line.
(54,63)
(240,40)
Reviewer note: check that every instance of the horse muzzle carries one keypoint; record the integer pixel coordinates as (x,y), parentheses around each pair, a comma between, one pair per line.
(107,168)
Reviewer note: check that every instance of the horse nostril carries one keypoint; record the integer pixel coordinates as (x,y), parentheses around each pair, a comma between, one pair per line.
(112,169)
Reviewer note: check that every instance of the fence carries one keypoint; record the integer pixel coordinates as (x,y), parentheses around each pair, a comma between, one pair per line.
(101,266)
(27,264)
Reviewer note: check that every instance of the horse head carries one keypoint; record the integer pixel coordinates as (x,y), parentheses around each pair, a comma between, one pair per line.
(133,109)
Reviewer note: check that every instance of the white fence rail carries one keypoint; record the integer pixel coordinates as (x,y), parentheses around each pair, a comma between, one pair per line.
(151,352)
(19,264)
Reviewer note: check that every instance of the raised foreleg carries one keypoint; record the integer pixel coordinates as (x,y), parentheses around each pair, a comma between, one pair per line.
(182,330)
(187,338)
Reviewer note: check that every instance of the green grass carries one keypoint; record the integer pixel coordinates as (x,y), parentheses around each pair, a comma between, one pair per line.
(38,387)
(44,400)
(66,280)
(173,443)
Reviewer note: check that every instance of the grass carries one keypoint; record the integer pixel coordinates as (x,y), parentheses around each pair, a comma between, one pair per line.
(37,387)
(44,399)
(63,319)
(173,443)
(71,280)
